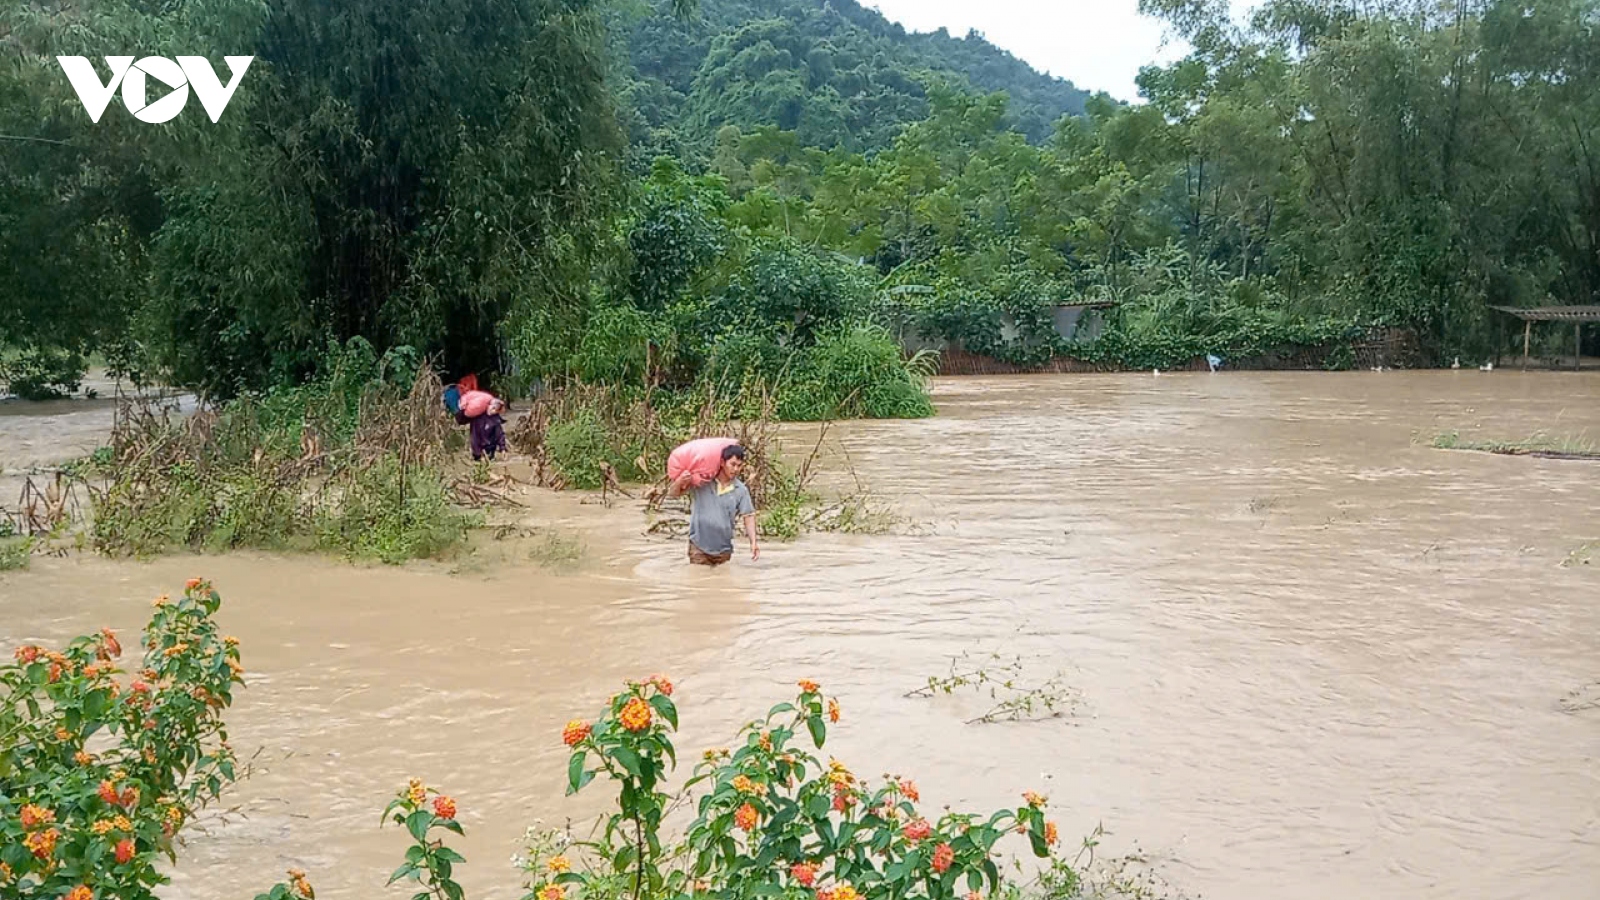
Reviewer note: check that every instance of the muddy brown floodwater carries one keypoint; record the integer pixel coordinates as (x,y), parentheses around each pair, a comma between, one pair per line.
(1318,658)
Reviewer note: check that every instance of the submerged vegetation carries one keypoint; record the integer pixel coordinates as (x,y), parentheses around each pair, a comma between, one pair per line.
(349,463)
(1542,445)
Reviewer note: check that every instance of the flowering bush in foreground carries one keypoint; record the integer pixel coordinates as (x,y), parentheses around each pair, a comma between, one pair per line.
(771,820)
(99,774)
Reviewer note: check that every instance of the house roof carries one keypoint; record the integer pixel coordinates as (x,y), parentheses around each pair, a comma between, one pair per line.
(1554,313)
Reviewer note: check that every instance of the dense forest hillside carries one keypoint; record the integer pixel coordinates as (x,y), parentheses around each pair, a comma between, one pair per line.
(836,73)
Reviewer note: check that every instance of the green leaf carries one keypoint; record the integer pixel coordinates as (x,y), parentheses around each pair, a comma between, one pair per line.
(780,708)
(663,705)
(575,780)
(418,822)
(445,853)
(414,853)
(817,807)
(628,759)
(625,857)
(404,871)
(819,731)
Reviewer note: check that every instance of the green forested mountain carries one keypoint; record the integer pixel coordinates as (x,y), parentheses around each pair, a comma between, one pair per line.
(835,73)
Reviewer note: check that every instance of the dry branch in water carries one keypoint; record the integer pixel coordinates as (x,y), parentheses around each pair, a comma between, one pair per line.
(1014,701)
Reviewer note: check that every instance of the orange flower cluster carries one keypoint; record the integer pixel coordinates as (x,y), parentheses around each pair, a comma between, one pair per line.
(42,844)
(1034,800)
(124,851)
(552,892)
(1050,834)
(34,816)
(833,710)
(843,799)
(109,645)
(636,715)
(302,887)
(746,817)
(842,892)
(415,792)
(81,892)
(82,758)
(808,686)
(102,827)
(559,865)
(909,789)
(444,807)
(108,792)
(28,654)
(974,895)
(766,741)
(575,732)
(744,785)
(943,856)
(917,830)
(192,583)
(662,683)
(805,873)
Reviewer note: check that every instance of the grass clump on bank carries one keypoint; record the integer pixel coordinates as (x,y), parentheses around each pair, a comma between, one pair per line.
(1542,445)
(351,464)
(15,552)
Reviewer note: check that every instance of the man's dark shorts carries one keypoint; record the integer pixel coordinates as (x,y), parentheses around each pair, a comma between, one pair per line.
(701,558)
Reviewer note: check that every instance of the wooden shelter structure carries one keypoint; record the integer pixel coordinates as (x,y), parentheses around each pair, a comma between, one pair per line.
(1577,315)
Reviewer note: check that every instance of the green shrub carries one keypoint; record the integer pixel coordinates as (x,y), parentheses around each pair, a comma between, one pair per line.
(393,513)
(15,552)
(854,371)
(576,447)
(42,373)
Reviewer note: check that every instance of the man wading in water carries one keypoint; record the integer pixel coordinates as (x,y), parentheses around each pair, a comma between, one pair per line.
(715,509)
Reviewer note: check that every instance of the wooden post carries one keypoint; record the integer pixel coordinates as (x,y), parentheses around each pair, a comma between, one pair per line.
(1527,335)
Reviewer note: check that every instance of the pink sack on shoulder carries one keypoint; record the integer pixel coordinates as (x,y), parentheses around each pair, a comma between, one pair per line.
(475,403)
(702,458)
